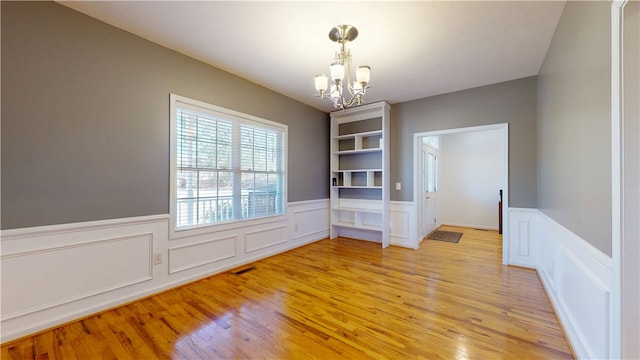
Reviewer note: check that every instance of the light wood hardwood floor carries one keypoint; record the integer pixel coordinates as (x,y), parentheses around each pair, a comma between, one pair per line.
(338,299)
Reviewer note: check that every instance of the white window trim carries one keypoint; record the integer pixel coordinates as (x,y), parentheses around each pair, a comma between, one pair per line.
(233,115)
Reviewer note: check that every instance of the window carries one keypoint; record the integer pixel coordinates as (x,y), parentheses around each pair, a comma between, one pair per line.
(432,171)
(226,166)
(431,141)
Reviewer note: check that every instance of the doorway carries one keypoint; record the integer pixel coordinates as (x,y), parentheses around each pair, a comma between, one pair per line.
(429,161)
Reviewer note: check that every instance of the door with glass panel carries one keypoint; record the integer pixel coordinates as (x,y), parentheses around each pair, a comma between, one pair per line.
(429,188)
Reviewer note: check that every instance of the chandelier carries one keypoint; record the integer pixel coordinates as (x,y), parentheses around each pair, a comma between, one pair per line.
(342,34)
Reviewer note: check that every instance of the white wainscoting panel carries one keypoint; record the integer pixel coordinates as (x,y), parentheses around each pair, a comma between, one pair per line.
(309,220)
(55,274)
(522,229)
(264,238)
(578,279)
(77,270)
(189,256)
(585,300)
(576,276)
(403,217)
(546,254)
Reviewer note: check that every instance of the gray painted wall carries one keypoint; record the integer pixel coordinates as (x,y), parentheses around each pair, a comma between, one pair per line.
(512,102)
(574,117)
(85,119)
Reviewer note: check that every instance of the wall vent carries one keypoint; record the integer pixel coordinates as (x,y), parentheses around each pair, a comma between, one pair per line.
(242,271)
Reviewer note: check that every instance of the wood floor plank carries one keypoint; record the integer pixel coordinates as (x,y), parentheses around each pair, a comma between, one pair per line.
(333,299)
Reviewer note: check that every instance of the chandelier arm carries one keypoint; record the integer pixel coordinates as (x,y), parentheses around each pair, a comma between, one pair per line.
(357,96)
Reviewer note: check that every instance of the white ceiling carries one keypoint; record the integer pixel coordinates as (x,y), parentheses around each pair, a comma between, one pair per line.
(415,49)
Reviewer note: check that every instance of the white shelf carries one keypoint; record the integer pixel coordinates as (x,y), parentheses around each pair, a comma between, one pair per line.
(355,135)
(358,218)
(354,226)
(364,178)
(357,187)
(355,170)
(356,142)
(358,151)
(362,210)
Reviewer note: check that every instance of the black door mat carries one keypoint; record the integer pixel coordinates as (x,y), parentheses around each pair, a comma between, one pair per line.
(448,236)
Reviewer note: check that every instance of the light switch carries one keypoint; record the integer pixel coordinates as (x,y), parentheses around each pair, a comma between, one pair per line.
(398,186)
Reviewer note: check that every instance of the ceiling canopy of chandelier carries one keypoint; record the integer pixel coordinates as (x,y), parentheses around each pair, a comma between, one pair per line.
(342,34)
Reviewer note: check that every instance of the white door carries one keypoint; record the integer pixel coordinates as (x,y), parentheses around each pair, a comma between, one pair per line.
(429,193)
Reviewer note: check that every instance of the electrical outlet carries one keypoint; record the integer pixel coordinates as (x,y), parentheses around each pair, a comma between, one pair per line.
(157,258)
(398,186)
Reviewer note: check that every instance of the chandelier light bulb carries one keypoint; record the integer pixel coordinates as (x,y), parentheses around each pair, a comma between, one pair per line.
(322,82)
(363,74)
(337,71)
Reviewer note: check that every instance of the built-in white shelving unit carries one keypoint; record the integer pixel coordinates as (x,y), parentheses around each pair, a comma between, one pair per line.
(360,173)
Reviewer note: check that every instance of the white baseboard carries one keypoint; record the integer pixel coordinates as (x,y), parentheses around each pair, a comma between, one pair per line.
(470,226)
(75,270)
(576,276)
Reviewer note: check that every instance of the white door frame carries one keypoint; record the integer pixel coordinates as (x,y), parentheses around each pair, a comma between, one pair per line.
(417,139)
(622,236)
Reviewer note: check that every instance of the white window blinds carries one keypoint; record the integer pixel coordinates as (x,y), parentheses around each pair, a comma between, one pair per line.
(227,167)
